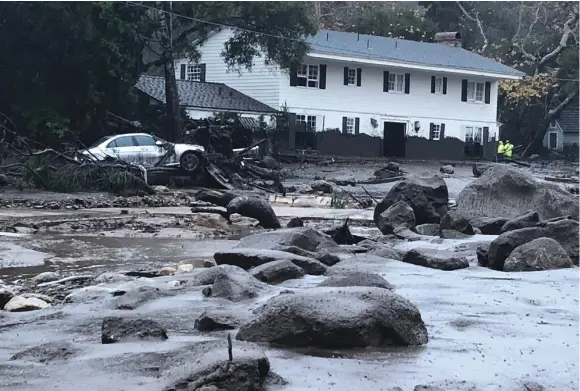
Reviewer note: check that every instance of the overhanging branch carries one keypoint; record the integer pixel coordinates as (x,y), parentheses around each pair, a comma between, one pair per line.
(479,25)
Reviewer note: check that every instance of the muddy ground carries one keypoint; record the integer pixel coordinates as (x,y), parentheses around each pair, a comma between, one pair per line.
(488,330)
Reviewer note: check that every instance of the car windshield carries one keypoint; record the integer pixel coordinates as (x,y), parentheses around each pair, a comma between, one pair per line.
(100,141)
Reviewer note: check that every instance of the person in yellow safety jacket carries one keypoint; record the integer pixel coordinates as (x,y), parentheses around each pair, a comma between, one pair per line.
(500,151)
(509,148)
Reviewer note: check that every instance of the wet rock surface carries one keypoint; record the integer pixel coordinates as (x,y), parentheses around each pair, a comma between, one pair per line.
(337,318)
(539,254)
(524,220)
(277,271)
(397,215)
(217,319)
(436,259)
(115,329)
(489,225)
(305,238)
(256,208)
(247,258)
(23,304)
(453,221)
(356,279)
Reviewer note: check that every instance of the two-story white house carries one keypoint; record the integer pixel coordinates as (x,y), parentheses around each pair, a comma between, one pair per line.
(375,96)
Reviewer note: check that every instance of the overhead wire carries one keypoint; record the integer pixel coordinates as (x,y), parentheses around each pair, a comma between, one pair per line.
(222,25)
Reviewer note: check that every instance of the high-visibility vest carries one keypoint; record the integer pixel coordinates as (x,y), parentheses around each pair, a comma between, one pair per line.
(508,149)
(501,148)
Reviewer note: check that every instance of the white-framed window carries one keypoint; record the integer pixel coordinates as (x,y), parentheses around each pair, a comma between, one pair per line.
(436,132)
(349,125)
(438,85)
(351,76)
(473,134)
(307,76)
(396,82)
(309,120)
(193,72)
(475,91)
(553,124)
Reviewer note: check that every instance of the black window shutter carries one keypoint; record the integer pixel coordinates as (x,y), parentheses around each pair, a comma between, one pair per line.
(293,75)
(356,125)
(322,81)
(442,132)
(202,76)
(407,83)
(182,72)
(431,127)
(345,76)
(358,76)
(444,86)
(386,81)
(464,90)
(432,84)
(343,125)
(487,92)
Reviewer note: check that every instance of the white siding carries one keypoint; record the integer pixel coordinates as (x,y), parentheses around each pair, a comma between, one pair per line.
(369,101)
(260,83)
(560,137)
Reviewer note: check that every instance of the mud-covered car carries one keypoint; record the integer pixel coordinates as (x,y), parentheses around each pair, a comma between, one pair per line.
(146,150)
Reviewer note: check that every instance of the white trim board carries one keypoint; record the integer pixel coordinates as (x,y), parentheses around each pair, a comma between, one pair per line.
(396,64)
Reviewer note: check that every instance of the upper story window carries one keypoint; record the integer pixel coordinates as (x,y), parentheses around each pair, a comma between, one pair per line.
(193,72)
(351,77)
(475,91)
(438,85)
(396,82)
(307,76)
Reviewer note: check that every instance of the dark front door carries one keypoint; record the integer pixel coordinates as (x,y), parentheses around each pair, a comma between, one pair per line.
(553,140)
(394,140)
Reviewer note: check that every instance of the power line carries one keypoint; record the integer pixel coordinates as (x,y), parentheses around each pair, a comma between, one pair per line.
(262,33)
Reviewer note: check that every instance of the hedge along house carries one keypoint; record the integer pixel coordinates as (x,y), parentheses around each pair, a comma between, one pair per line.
(373,96)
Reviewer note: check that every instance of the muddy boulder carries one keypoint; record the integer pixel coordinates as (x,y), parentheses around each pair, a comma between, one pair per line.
(453,221)
(295,222)
(247,258)
(216,319)
(397,215)
(447,169)
(45,277)
(322,186)
(236,286)
(343,317)
(255,208)
(356,279)
(482,253)
(22,304)
(539,254)
(277,271)
(435,259)
(489,225)
(426,194)
(133,296)
(565,232)
(525,220)
(305,238)
(5,296)
(249,370)
(48,352)
(115,329)
(428,229)
(503,191)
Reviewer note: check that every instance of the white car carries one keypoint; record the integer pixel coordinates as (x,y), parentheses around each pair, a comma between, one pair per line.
(146,150)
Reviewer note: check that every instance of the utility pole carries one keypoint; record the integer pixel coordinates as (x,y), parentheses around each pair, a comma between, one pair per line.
(171,96)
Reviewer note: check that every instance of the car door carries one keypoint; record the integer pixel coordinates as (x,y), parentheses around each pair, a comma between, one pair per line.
(123,148)
(149,152)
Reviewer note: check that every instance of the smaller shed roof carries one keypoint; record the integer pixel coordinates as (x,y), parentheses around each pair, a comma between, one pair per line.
(569,118)
(203,95)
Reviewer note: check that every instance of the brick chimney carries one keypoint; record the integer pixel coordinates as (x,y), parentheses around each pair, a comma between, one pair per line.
(452,38)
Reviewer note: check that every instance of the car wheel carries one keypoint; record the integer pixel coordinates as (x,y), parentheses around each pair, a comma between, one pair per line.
(190,161)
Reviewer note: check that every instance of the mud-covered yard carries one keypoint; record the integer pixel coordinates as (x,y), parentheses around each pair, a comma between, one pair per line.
(90,256)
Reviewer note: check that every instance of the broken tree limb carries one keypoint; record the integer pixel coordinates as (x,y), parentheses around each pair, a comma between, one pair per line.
(369,194)
(381,181)
(245,150)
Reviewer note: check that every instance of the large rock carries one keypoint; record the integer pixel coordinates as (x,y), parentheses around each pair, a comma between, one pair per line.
(397,215)
(447,169)
(48,352)
(322,186)
(482,255)
(503,191)
(249,370)
(277,271)
(385,251)
(356,279)
(435,259)
(489,225)
(5,296)
(255,208)
(236,286)
(115,329)
(247,258)
(135,297)
(216,319)
(305,238)
(453,221)
(428,229)
(565,232)
(425,194)
(325,257)
(45,277)
(22,304)
(539,254)
(343,317)
(525,220)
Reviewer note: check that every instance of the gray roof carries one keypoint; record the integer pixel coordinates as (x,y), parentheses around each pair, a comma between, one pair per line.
(210,96)
(569,118)
(400,50)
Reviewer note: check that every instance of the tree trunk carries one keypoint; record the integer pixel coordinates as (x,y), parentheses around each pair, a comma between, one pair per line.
(536,144)
(171,96)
